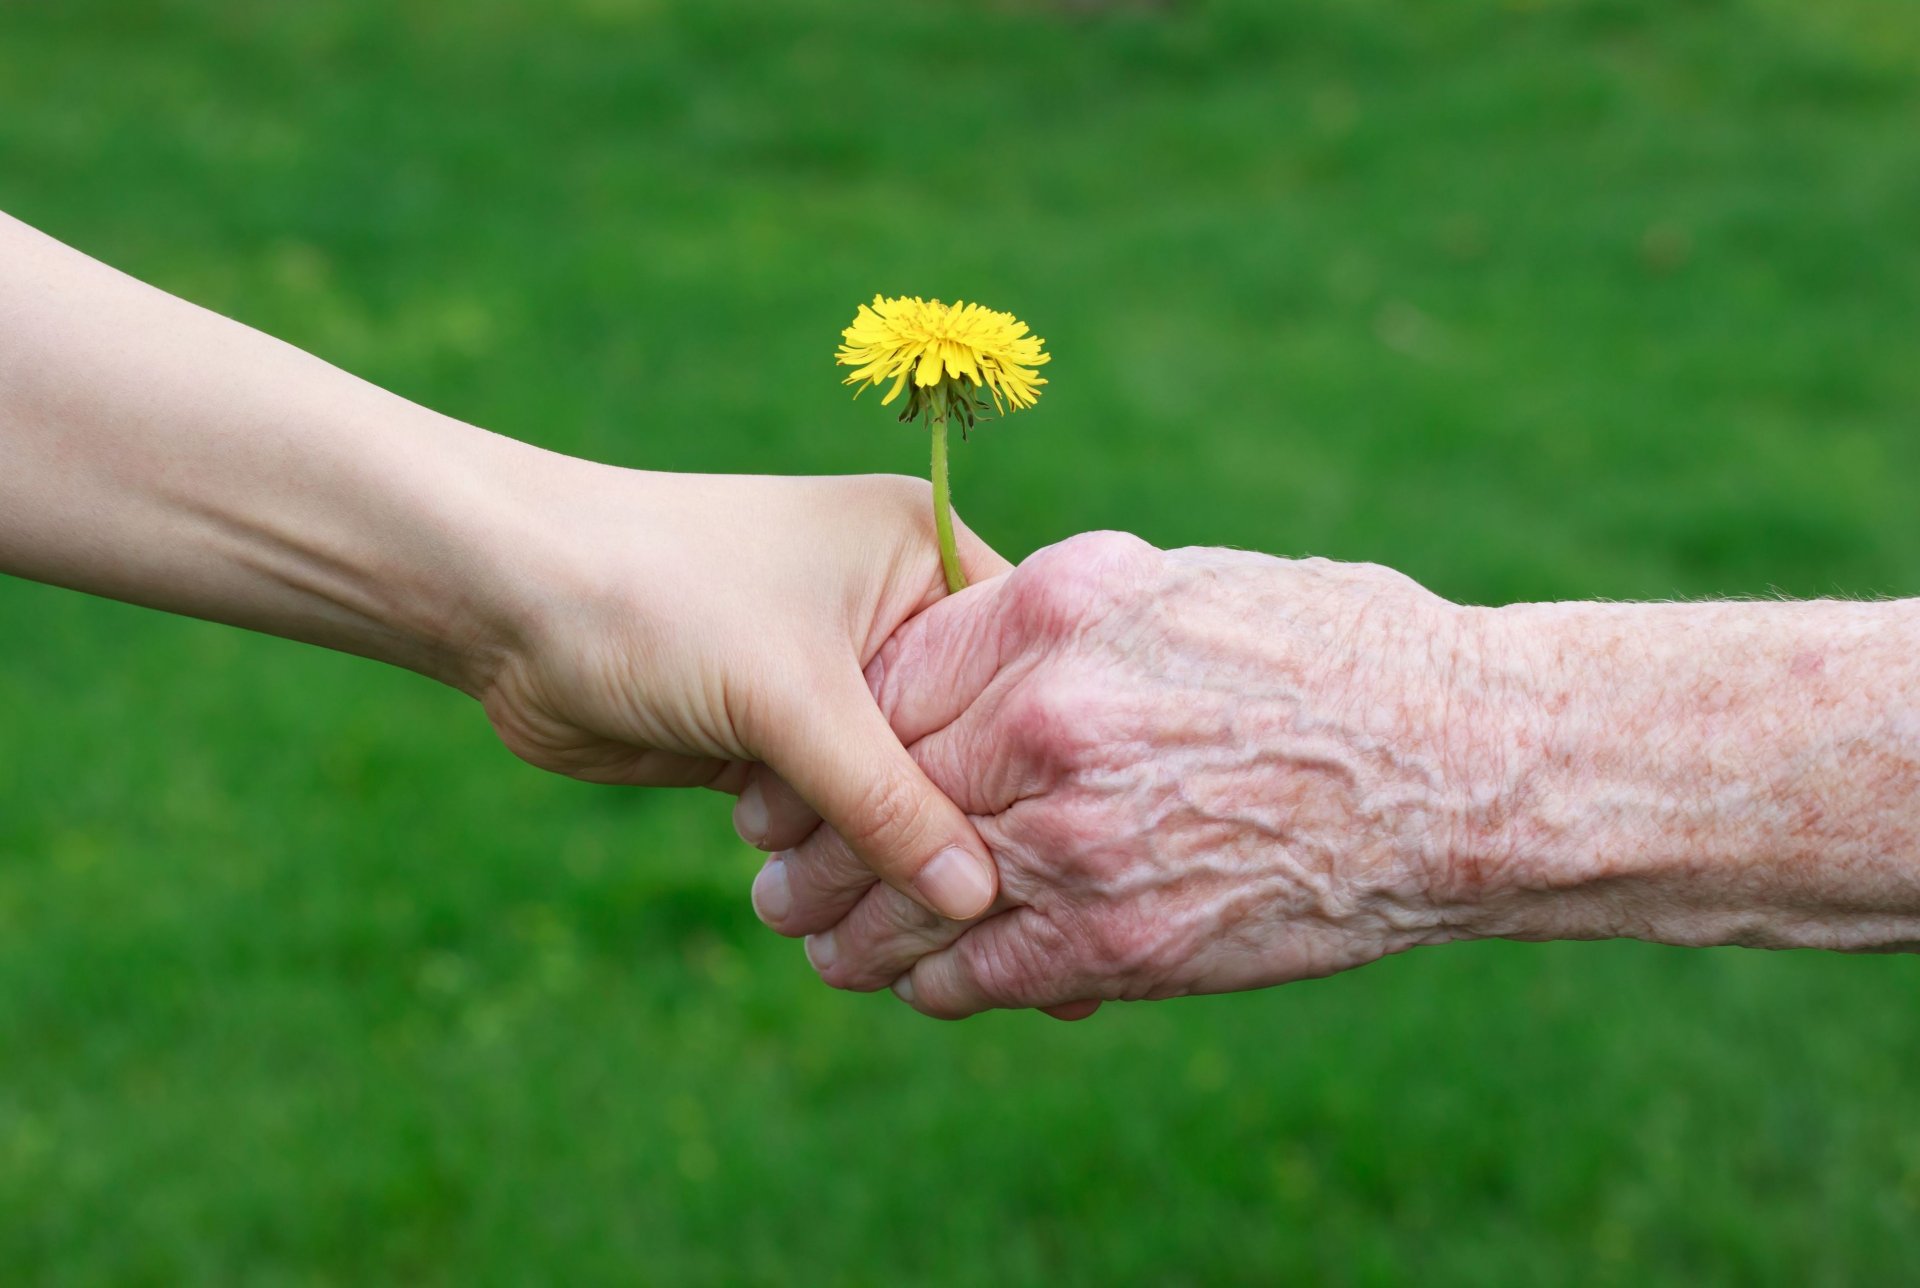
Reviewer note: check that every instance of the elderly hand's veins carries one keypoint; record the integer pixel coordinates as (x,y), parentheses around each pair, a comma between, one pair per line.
(1229,771)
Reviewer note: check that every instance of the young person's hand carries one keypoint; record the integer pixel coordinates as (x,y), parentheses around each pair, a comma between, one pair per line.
(620,626)
(712,630)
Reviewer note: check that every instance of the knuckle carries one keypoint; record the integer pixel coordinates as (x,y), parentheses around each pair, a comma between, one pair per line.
(885,808)
(1105,547)
(1061,586)
(882,938)
(827,865)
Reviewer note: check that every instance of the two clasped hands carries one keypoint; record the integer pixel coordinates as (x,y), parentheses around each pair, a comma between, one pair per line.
(1113,772)
(1116,772)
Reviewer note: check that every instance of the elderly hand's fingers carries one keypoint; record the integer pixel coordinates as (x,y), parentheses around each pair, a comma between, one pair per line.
(812,886)
(1015,961)
(877,942)
(770,815)
(1072,1010)
(836,751)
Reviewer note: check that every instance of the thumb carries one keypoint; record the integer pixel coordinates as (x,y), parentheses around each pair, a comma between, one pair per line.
(844,760)
(936,665)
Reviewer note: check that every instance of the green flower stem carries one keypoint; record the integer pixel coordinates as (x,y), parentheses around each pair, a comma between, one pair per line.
(943,511)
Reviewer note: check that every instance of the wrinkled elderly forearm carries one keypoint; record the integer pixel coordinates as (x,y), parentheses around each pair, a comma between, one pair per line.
(1721,773)
(155,452)
(1207,770)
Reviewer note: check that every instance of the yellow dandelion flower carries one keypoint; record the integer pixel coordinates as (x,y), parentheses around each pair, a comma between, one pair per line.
(967,346)
(950,359)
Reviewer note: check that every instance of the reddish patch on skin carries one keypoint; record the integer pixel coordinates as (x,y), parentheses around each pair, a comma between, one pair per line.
(1806,665)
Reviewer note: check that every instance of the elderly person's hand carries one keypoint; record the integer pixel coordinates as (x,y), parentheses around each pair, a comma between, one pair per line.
(1205,770)
(1198,771)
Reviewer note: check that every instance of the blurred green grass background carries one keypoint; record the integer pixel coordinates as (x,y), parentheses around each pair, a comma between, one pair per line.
(304,980)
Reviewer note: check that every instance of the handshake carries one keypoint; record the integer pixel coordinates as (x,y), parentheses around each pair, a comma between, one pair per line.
(1194,771)
(1113,772)
(1116,772)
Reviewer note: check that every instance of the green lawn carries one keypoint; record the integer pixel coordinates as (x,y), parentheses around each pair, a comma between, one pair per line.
(304,980)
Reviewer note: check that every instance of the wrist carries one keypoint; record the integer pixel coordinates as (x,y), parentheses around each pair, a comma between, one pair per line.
(470,563)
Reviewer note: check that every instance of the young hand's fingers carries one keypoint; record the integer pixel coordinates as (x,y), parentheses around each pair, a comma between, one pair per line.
(769,814)
(878,941)
(840,756)
(1016,960)
(1073,1010)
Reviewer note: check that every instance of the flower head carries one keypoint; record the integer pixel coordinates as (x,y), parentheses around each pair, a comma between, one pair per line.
(949,352)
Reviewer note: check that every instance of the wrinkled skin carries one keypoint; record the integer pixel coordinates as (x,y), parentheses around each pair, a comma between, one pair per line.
(1198,771)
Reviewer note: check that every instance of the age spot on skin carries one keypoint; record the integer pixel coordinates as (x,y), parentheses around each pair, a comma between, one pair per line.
(1806,665)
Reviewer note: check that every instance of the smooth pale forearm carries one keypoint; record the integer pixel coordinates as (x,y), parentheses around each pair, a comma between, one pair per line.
(617,625)
(1719,773)
(158,453)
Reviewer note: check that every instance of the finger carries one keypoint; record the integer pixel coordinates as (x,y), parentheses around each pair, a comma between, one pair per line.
(879,941)
(812,886)
(770,815)
(937,664)
(1073,1010)
(843,760)
(1015,960)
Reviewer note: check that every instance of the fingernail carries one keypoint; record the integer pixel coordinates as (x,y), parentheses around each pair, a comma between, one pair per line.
(750,814)
(956,884)
(772,895)
(821,950)
(903,989)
